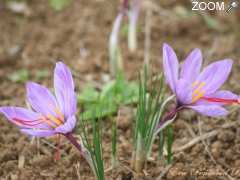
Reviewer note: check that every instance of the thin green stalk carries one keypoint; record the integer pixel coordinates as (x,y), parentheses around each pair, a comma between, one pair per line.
(161,141)
(93,145)
(149,111)
(114,143)
(169,139)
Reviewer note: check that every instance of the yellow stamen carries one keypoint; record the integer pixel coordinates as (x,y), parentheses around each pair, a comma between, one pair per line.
(198,92)
(59,114)
(200,86)
(54,119)
(194,84)
(57,111)
(48,122)
(198,96)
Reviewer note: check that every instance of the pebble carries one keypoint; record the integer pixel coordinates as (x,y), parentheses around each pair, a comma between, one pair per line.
(229,154)
(237,163)
(226,136)
(216,149)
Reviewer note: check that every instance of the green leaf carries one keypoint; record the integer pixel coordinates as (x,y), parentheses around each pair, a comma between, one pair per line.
(170,138)
(59,5)
(105,103)
(19,76)
(211,22)
(124,30)
(42,74)
(108,91)
(96,111)
(161,141)
(88,95)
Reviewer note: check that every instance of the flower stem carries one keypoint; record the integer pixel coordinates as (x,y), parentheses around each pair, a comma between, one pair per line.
(168,117)
(73,140)
(125,4)
(84,153)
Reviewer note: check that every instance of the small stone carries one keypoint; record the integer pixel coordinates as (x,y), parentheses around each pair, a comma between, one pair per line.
(197,149)
(188,115)
(124,118)
(237,163)
(229,154)
(217,145)
(216,149)
(226,136)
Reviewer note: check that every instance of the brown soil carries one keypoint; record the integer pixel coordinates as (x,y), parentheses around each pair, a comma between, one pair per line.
(35,40)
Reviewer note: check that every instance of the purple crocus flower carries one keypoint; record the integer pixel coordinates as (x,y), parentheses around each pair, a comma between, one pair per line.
(114,50)
(133,18)
(51,114)
(195,89)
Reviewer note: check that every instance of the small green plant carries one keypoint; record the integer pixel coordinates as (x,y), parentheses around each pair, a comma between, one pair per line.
(151,104)
(19,76)
(59,5)
(41,74)
(92,140)
(105,103)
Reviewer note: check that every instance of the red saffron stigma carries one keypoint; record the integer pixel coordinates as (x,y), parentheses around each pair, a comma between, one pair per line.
(222,100)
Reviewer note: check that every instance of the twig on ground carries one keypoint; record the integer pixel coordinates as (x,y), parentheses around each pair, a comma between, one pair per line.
(203,137)
(190,129)
(196,140)
(108,169)
(164,172)
(210,154)
(127,168)
(52,146)
(77,167)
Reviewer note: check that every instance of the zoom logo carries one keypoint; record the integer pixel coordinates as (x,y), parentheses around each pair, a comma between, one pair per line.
(214,5)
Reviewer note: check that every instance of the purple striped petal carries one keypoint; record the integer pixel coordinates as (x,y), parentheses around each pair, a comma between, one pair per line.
(215,75)
(38,132)
(170,65)
(183,92)
(210,110)
(192,66)
(64,90)
(224,95)
(28,118)
(68,126)
(41,99)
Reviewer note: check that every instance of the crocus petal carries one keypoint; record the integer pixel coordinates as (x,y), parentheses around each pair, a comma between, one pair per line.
(224,95)
(115,31)
(192,66)
(67,126)
(38,132)
(41,99)
(64,90)
(17,115)
(170,65)
(133,17)
(215,75)
(210,110)
(183,92)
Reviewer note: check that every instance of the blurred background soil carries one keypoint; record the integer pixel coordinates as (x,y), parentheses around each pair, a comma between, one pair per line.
(37,37)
